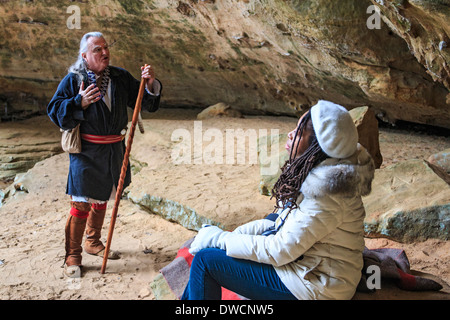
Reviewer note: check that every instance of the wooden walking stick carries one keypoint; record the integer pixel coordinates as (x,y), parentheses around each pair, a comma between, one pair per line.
(126,157)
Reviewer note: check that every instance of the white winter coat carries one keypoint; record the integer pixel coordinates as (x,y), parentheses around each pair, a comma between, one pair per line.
(326,230)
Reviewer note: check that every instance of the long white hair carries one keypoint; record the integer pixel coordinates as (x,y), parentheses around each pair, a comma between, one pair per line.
(80,64)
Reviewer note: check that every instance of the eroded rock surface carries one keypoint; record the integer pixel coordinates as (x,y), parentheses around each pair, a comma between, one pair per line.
(259,56)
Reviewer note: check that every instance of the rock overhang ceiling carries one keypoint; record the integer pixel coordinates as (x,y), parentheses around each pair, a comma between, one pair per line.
(261,57)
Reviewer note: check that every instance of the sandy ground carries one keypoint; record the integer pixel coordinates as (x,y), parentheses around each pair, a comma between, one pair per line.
(32,224)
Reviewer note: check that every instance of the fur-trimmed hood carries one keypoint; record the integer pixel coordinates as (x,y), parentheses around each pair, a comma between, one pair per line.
(347,177)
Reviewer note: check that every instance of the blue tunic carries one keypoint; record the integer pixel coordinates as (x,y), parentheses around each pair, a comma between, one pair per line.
(94,171)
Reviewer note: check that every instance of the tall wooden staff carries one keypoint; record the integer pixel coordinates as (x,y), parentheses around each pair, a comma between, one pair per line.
(126,157)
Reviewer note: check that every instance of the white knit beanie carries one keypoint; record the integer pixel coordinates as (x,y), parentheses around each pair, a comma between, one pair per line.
(335,129)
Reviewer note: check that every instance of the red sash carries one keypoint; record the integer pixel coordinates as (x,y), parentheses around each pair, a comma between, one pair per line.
(102,139)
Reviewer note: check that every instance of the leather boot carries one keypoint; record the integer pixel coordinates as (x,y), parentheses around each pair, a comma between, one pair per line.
(74,236)
(93,245)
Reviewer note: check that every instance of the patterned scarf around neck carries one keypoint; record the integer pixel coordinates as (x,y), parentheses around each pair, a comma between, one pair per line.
(104,87)
(105,80)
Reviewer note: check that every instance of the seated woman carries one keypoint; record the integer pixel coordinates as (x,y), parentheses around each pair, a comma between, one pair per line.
(313,250)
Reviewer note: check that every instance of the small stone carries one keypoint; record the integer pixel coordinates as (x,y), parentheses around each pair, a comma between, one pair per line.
(441,159)
(219,110)
(144,293)
(147,251)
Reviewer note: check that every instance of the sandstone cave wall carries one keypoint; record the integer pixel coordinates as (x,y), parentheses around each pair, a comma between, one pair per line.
(260,56)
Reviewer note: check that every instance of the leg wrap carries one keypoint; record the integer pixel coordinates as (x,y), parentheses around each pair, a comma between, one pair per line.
(80,209)
(100,206)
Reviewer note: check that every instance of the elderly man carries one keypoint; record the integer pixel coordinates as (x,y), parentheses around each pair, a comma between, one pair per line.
(96,95)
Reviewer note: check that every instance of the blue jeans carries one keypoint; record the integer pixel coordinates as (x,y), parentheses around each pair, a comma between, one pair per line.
(212,269)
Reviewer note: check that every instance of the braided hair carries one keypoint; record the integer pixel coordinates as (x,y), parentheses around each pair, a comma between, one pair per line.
(294,172)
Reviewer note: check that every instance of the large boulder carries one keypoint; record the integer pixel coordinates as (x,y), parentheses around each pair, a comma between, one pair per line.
(22,146)
(409,202)
(367,126)
(170,210)
(441,160)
